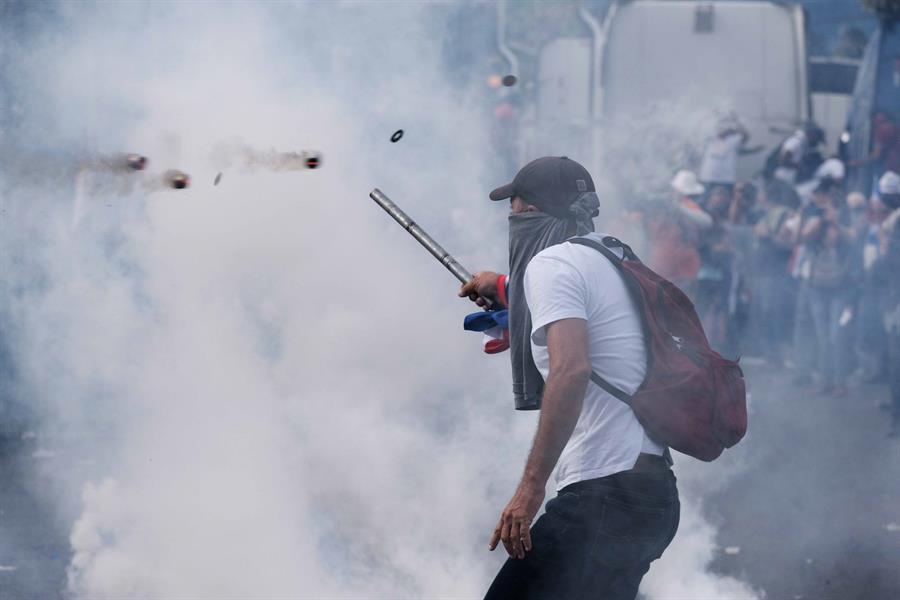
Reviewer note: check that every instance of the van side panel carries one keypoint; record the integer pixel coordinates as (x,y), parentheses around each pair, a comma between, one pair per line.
(748,60)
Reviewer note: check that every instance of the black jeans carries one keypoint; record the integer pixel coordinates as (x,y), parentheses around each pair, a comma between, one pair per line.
(596,539)
(894,377)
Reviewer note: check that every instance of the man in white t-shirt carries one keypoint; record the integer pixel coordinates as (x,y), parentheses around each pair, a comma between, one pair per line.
(617,505)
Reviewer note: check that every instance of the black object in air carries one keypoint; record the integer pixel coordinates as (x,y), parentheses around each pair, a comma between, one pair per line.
(312,162)
(177,179)
(397,135)
(217,179)
(510,80)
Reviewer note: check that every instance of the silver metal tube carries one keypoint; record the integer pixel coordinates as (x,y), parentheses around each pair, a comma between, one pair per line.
(421,236)
(596,40)
(501,39)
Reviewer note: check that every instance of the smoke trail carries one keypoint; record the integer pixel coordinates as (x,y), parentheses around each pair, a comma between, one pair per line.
(247,159)
(262,388)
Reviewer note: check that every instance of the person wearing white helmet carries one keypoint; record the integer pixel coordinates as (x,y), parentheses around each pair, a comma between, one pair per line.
(831,281)
(673,231)
(889,193)
(832,169)
(887,270)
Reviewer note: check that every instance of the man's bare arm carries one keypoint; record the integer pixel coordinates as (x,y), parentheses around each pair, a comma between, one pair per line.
(567,381)
(564,391)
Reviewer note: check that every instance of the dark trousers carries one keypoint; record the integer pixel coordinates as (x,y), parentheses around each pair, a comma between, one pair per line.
(596,539)
(805,343)
(773,307)
(826,306)
(712,308)
(894,376)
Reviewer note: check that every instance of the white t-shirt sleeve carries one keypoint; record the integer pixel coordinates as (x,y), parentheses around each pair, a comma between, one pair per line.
(555,290)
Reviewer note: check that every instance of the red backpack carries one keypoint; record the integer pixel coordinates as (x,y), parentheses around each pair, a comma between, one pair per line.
(692,399)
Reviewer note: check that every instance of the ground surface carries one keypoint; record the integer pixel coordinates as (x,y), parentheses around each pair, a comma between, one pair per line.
(33,543)
(811,509)
(814,488)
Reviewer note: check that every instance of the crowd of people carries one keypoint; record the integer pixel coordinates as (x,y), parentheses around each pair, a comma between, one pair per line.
(792,266)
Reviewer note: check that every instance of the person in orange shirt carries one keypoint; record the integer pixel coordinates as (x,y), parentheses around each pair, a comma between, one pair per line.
(673,230)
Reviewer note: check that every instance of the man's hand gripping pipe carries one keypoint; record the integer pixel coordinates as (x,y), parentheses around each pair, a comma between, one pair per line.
(423,238)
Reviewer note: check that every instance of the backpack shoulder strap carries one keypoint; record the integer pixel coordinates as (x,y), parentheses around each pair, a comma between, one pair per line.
(615,260)
(610,388)
(604,248)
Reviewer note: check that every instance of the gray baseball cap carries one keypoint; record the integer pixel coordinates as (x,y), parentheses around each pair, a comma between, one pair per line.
(551,183)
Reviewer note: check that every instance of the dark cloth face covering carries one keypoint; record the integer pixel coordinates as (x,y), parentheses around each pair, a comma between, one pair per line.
(529,233)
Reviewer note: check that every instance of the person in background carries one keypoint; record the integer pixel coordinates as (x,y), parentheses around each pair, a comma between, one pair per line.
(745,209)
(743,215)
(833,169)
(773,245)
(887,269)
(719,164)
(673,229)
(830,276)
(798,157)
(853,215)
(871,338)
(812,158)
(714,274)
(885,155)
(806,345)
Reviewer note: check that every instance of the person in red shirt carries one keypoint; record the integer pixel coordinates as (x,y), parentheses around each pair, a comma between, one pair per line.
(673,230)
(886,145)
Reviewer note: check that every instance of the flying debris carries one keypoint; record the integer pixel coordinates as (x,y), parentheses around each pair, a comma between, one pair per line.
(115,163)
(136,162)
(510,80)
(397,135)
(176,179)
(230,154)
(217,179)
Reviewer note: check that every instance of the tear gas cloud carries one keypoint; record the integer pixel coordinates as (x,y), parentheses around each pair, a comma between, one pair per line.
(262,388)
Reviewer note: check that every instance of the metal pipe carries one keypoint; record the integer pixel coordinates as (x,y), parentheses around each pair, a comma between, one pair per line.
(421,236)
(601,55)
(501,39)
(600,38)
(596,40)
(804,98)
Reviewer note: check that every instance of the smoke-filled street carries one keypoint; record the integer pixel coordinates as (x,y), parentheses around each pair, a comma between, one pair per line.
(379,300)
(803,511)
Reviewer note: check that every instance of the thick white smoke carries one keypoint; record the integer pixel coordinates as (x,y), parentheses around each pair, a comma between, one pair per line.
(263,386)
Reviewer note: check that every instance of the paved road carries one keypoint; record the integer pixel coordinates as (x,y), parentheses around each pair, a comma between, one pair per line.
(813,488)
(33,542)
(816,489)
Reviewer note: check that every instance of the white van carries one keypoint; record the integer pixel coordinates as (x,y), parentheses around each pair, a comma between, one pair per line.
(746,57)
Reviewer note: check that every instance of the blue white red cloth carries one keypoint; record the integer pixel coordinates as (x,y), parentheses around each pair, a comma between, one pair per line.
(493,324)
